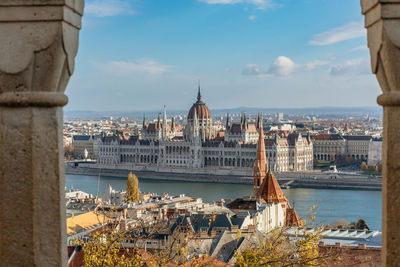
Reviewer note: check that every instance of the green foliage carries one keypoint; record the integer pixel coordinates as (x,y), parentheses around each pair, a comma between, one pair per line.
(132,188)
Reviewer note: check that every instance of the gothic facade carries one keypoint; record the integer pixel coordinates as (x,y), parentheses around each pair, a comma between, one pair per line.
(199,149)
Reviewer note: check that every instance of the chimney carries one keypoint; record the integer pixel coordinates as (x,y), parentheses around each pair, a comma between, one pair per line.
(203,234)
(362,246)
(234,228)
(251,227)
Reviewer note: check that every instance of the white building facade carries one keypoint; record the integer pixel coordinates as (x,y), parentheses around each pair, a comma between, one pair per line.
(198,150)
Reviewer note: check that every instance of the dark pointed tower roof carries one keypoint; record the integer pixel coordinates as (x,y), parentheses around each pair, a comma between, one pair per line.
(198,93)
(144,121)
(158,121)
(228,123)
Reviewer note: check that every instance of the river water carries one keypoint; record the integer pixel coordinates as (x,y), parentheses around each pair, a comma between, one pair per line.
(332,204)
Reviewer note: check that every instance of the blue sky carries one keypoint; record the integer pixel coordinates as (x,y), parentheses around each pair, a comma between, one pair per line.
(142,54)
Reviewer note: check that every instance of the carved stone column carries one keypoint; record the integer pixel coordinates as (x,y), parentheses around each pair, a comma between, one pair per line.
(38,45)
(382,20)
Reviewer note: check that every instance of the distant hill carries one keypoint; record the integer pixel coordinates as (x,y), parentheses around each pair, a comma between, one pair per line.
(375,111)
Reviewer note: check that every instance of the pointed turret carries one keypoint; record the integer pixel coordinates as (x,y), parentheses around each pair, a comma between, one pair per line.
(144,121)
(164,124)
(245,125)
(228,123)
(308,137)
(198,93)
(173,124)
(158,121)
(260,167)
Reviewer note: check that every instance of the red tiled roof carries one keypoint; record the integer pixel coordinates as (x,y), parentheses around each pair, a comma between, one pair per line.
(270,190)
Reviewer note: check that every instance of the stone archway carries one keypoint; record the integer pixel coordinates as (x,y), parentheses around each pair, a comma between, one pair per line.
(35,66)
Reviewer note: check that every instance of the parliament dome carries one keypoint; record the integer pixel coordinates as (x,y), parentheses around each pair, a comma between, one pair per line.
(200,109)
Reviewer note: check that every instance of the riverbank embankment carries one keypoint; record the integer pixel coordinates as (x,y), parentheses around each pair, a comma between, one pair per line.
(286,180)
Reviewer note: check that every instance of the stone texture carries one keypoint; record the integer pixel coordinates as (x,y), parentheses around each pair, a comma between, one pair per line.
(382,20)
(38,45)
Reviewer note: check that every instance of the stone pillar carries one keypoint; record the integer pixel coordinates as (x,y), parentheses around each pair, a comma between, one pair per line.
(382,20)
(38,45)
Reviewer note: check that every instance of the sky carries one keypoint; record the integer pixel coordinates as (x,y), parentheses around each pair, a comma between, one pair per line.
(139,55)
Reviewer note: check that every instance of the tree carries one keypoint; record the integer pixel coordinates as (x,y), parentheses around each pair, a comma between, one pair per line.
(68,151)
(279,250)
(378,167)
(364,166)
(132,188)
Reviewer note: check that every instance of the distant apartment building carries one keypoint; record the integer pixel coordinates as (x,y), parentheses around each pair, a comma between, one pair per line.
(330,147)
(358,146)
(82,142)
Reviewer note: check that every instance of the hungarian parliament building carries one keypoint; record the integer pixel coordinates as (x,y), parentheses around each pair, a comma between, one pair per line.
(202,148)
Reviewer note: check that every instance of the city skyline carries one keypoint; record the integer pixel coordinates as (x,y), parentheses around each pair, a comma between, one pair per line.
(245,53)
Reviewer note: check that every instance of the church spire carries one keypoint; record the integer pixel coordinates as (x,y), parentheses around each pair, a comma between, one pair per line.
(173,123)
(198,93)
(244,121)
(158,121)
(260,167)
(144,121)
(228,123)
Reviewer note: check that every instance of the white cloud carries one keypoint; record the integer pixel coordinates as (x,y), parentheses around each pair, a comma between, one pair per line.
(314,64)
(253,70)
(260,4)
(108,8)
(282,66)
(142,66)
(347,31)
(252,17)
(352,66)
(358,48)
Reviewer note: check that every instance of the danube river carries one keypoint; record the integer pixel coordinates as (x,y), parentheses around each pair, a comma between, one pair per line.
(332,204)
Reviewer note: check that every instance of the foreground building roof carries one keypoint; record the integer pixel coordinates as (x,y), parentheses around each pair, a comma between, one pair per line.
(85,221)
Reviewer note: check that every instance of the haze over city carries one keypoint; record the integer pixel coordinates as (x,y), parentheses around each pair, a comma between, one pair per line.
(139,55)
